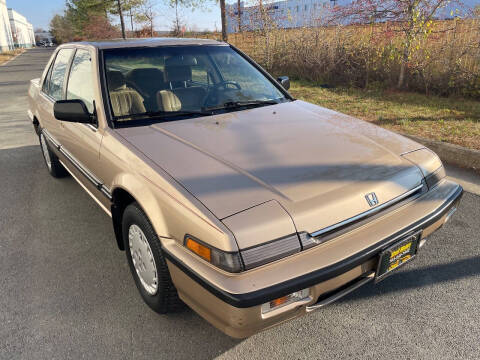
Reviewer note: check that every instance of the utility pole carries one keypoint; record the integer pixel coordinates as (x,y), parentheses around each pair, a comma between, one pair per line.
(224,21)
(121,18)
(131,19)
(239,15)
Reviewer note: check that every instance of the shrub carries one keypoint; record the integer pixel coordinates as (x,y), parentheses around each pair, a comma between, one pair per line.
(446,62)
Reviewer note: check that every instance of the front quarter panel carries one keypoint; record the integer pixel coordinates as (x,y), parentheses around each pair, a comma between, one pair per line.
(172,211)
(427,161)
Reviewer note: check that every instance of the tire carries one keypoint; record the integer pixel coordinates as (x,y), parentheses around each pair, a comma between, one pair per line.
(54,167)
(164,297)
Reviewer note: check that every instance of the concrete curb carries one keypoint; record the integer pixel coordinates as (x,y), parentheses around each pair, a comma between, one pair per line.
(452,154)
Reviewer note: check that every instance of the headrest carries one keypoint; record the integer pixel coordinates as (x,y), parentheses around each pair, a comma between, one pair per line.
(115,80)
(145,75)
(181,60)
(178,73)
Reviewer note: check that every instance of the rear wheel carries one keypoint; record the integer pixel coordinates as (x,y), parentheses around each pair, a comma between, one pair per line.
(146,261)
(54,167)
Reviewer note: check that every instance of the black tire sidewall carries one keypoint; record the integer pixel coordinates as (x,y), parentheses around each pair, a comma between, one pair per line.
(161,300)
(56,168)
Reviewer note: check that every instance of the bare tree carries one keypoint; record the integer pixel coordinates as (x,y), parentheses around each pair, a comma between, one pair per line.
(120,14)
(177,22)
(179,25)
(146,14)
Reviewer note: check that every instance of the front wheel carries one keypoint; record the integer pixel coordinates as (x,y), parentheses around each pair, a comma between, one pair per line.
(54,167)
(146,261)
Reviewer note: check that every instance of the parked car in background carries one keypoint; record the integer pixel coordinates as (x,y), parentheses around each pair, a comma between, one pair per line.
(225,192)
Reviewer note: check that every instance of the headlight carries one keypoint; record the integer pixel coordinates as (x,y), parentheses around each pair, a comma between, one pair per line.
(271,251)
(229,261)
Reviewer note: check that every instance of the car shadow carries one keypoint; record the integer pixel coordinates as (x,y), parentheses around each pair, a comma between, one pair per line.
(410,279)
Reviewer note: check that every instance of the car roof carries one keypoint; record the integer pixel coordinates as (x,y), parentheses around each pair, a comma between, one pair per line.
(147,42)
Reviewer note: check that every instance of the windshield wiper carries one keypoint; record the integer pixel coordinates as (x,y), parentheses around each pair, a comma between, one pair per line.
(162,114)
(239,104)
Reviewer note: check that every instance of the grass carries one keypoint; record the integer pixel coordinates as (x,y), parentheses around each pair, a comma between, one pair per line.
(7,55)
(453,120)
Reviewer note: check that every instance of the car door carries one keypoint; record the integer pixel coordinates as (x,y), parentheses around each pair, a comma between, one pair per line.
(81,142)
(52,90)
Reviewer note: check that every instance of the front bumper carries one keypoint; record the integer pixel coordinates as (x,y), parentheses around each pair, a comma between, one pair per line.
(232,302)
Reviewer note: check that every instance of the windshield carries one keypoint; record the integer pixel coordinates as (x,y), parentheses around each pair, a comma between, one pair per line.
(165,82)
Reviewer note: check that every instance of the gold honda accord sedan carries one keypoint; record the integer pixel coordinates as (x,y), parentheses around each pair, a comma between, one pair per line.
(225,192)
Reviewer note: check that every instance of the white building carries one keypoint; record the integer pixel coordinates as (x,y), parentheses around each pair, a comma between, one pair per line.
(280,14)
(258,14)
(6,40)
(22,30)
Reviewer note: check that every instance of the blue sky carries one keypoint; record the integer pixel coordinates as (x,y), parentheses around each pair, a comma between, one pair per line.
(39,13)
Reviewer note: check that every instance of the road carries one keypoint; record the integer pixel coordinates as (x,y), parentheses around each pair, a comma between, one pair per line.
(66,291)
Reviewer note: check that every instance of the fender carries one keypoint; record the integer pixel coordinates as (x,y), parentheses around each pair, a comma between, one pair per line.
(145,197)
(159,197)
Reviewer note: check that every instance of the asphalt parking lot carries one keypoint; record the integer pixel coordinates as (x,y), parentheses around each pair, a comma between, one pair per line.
(66,291)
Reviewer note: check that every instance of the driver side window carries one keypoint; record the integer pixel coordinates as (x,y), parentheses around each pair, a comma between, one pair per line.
(56,79)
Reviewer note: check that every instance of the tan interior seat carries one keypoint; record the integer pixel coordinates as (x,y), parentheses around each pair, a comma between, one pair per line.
(125,101)
(168,101)
(148,81)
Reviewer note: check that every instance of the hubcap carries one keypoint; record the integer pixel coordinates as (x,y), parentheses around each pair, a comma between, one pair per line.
(143,260)
(45,151)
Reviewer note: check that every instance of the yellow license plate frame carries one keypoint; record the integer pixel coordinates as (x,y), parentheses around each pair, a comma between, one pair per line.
(397,255)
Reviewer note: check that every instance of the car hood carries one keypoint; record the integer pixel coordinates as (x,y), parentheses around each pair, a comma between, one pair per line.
(317,163)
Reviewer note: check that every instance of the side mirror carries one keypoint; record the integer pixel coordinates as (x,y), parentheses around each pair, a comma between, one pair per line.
(284,81)
(72,111)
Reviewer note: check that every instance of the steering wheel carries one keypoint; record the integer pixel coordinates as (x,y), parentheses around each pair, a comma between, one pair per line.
(224,84)
(215,94)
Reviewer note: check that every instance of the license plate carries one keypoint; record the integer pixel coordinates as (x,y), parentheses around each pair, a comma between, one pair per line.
(397,255)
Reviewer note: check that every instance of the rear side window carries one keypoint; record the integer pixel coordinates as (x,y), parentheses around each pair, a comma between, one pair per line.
(57,77)
(46,83)
(80,82)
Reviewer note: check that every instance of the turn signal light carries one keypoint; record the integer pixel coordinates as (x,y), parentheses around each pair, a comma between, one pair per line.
(297,296)
(199,249)
(228,261)
(279,301)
